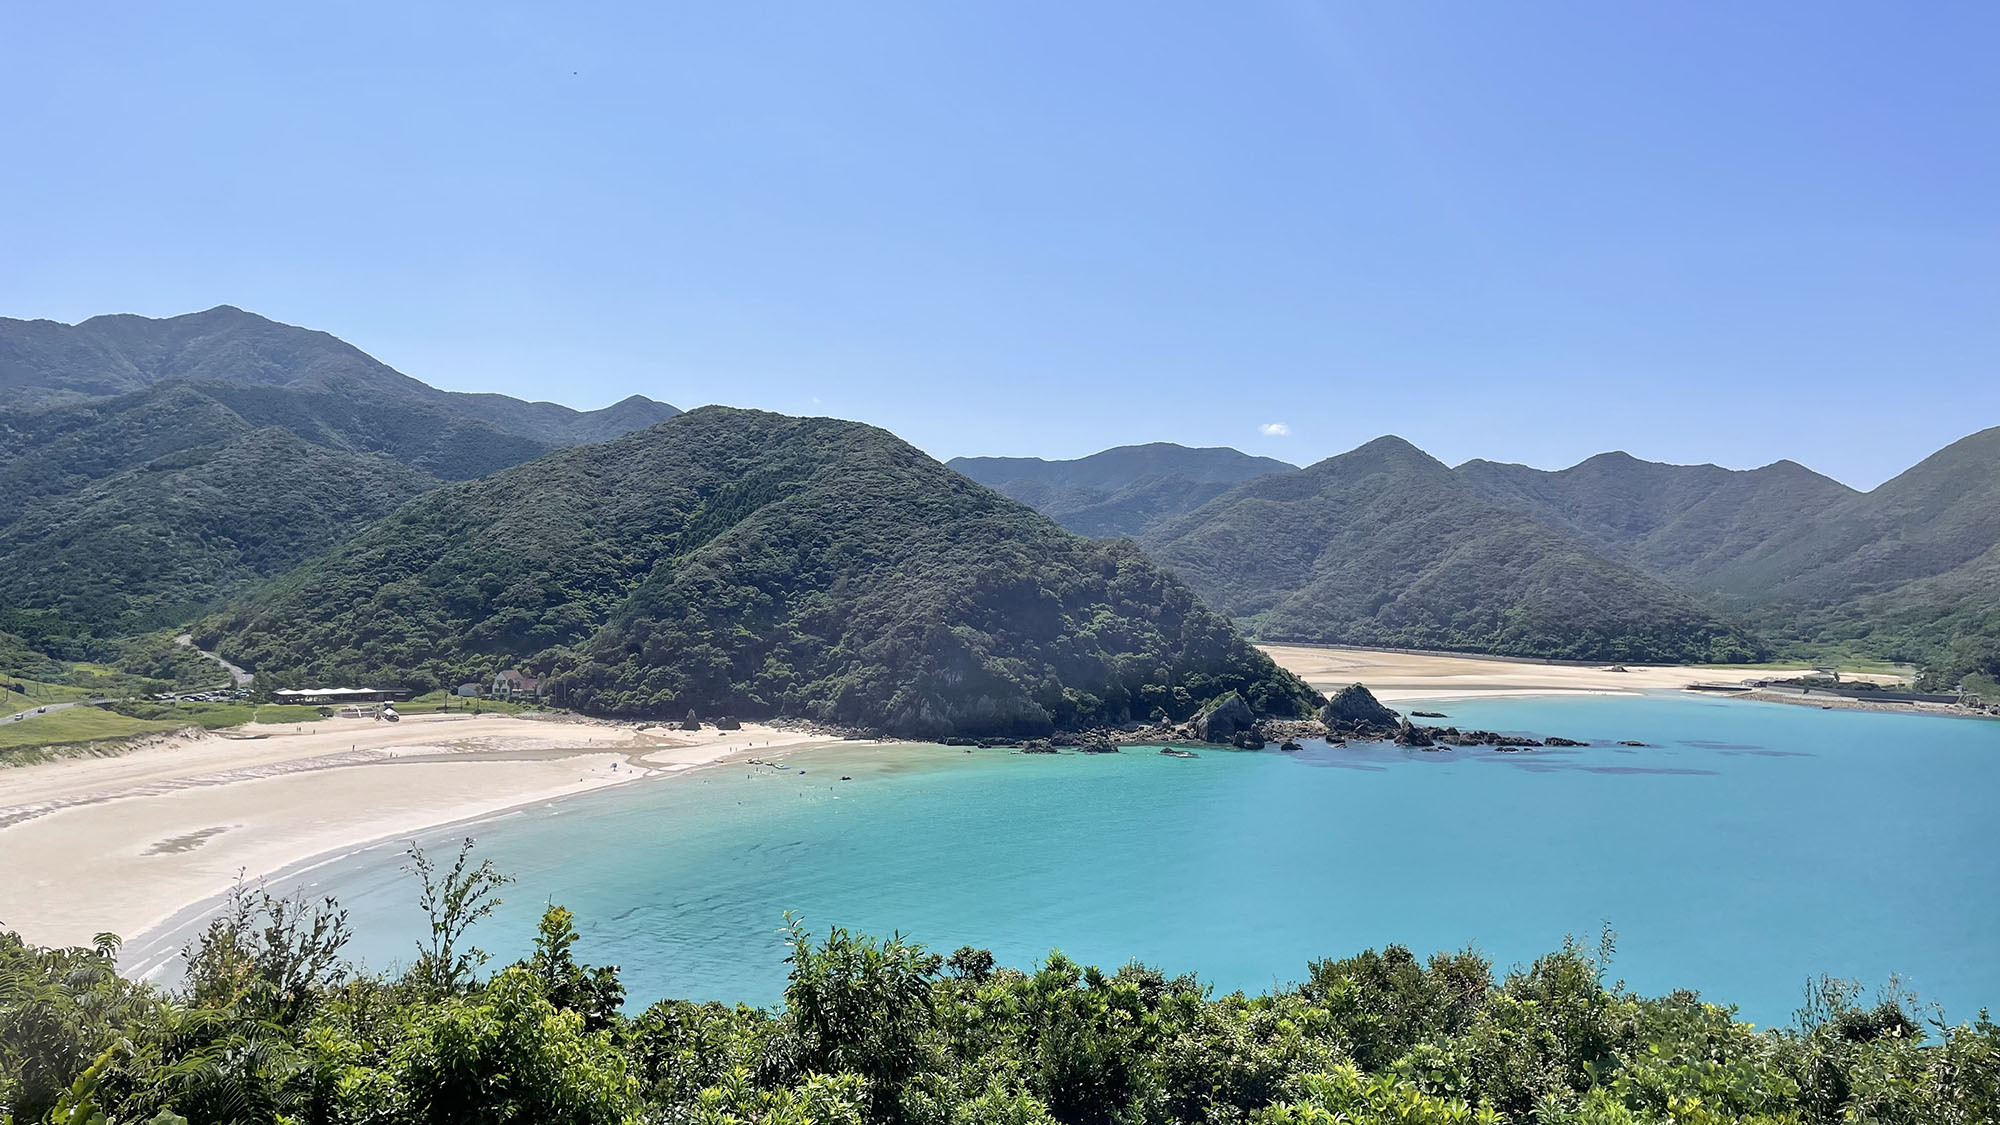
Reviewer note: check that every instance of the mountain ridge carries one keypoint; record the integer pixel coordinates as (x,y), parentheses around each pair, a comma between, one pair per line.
(1385,545)
(49,363)
(1122,491)
(750,563)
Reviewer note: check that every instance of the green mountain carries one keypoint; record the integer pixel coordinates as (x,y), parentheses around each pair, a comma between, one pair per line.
(1124,491)
(151,545)
(1683,524)
(44,363)
(1909,571)
(230,448)
(1941,514)
(739,562)
(1386,546)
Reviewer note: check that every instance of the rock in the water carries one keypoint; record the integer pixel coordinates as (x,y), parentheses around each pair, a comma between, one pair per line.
(1355,707)
(1290,747)
(1221,720)
(1096,744)
(1428,715)
(1629,742)
(1553,741)
(1407,735)
(1247,740)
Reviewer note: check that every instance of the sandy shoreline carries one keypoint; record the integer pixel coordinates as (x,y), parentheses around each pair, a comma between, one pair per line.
(130,843)
(1409,676)
(126,843)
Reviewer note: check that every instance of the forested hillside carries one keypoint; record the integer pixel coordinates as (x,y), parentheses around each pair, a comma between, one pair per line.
(1907,571)
(740,562)
(1679,523)
(1124,491)
(1941,514)
(150,546)
(45,363)
(1384,545)
(149,467)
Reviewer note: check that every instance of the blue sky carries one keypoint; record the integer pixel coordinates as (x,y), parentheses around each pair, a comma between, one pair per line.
(1529,232)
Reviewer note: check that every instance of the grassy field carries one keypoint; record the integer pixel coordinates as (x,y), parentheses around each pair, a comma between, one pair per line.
(36,695)
(1842,662)
(73,725)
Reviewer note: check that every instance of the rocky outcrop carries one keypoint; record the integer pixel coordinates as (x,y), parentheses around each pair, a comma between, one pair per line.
(728,722)
(1456,737)
(690,723)
(1247,740)
(1552,740)
(1408,735)
(1223,719)
(1356,706)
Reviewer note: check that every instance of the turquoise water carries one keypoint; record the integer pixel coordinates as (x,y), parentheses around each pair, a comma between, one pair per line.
(1750,848)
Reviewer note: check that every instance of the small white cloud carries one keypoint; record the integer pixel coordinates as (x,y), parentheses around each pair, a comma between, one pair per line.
(1275,429)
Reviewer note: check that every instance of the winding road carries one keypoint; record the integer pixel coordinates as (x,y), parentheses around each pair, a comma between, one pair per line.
(242,678)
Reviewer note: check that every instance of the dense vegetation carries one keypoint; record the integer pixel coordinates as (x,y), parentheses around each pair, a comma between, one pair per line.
(1680,523)
(1909,571)
(272,1025)
(151,546)
(1386,546)
(1125,491)
(44,363)
(738,562)
(150,467)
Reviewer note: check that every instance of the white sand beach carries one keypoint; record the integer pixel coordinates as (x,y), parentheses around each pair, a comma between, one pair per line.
(122,843)
(1396,676)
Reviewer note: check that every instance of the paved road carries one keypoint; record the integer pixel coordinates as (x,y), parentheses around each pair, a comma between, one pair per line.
(50,707)
(241,677)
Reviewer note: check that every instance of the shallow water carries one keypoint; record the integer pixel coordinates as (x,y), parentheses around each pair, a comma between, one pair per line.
(1749,848)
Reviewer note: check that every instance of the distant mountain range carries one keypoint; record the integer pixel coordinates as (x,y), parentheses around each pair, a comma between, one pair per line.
(328,517)
(1124,491)
(44,363)
(1611,557)
(148,467)
(1386,546)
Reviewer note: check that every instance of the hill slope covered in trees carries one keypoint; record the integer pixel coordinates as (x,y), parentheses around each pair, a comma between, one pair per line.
(1907,571)
(1384,545)
(740,562)
(1123,491)
(1681,524)
(149,467)
(46,363)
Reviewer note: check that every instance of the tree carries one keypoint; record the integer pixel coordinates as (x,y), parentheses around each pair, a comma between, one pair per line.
(453,902)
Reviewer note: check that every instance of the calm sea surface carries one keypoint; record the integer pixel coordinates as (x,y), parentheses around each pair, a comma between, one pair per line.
(1747,849)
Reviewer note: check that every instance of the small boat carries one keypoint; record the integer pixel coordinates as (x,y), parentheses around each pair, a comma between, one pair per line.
(1173,753)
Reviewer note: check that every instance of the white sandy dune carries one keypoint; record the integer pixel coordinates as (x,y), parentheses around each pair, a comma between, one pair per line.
(122,843)
(1409,675)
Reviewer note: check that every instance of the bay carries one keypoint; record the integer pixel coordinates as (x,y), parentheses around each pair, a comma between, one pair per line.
(1746,849)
